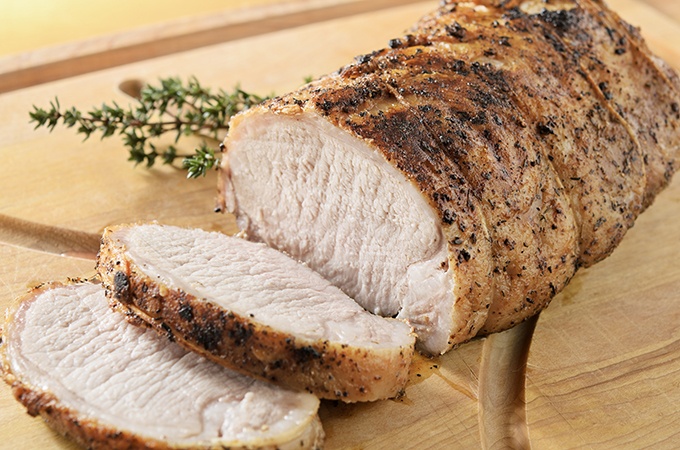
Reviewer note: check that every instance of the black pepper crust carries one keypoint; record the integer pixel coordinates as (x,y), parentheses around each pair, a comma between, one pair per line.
(328,370)
(480,129)
(538,137)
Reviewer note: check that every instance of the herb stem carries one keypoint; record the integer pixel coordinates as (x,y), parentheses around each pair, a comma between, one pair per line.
(184,108)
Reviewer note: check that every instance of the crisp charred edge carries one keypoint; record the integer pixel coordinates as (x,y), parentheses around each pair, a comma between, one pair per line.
(330,371)
(93,434)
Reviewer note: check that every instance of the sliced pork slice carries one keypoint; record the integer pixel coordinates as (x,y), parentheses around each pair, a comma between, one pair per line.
(256,310)
(460,177)
(108,384)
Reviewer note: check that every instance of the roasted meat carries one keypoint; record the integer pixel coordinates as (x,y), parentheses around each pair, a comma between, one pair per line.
(458,178)
(254,309)
(110,385)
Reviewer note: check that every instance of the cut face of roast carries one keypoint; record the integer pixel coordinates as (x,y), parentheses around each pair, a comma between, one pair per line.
(460,177)
(256,310)
(105,382)
(323,196)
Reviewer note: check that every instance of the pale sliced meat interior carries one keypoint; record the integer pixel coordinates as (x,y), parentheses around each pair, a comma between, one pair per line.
(252,280)
(324,197)
(67,342)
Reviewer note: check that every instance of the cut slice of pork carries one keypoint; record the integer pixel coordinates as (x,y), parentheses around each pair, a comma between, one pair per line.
(108,384)
(256,310)
(459,178)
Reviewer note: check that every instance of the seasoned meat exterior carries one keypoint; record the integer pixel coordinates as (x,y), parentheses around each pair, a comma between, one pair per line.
(254,309)
(110,385)
(458,178)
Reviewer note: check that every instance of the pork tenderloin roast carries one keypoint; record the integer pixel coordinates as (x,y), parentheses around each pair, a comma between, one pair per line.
(453,183)
(108,384)
(254,309)
(460,177)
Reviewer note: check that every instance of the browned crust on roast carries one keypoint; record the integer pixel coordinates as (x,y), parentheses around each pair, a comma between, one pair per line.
(93,434)
(593,115)
(504,203)
(328,370)
(368,108)
(588,85)
(527,213)
(563,114)
(587,79)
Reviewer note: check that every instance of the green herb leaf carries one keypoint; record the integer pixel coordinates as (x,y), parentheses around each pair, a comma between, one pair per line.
(202,161)
(173,106)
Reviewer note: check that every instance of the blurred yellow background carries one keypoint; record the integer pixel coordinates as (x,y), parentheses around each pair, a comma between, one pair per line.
(30,24)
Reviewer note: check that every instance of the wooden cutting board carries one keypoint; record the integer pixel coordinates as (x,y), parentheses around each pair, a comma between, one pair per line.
(604,366)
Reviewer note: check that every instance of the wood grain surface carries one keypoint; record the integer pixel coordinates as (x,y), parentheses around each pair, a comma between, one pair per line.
(604,366)
(65,60)
(29,25)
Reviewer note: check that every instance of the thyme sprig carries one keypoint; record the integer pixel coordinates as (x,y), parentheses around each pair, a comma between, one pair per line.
(183,109)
